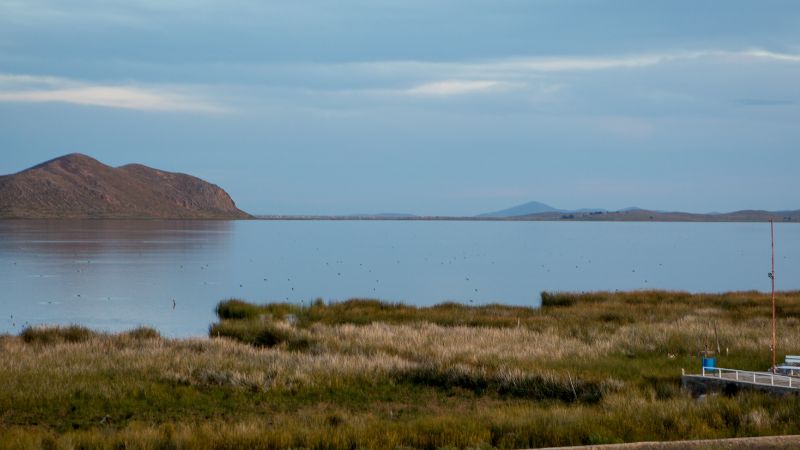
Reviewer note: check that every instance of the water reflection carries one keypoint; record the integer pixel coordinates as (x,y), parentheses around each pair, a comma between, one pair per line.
(110,275)
(68,238)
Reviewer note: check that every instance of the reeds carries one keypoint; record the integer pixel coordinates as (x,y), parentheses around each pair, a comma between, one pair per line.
(582,369)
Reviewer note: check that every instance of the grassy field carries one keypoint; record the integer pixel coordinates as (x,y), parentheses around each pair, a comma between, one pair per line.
(582,369)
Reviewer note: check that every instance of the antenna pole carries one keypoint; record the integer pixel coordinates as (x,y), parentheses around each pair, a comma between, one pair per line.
(772,278)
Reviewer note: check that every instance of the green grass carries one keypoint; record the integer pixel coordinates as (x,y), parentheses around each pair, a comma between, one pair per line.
(366,311)
(582,369)
(75,333)
(51,335)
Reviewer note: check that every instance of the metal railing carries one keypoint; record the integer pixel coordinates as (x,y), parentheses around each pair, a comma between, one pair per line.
(765,378)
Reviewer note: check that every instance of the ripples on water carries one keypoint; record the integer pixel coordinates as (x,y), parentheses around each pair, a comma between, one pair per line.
(115,275)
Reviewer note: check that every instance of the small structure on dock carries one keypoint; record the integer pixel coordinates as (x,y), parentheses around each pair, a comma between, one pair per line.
(790,366)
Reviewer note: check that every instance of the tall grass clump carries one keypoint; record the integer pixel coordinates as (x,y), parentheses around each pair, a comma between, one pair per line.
(263,333)
(142,333)
(555,299)
(237,309)
(48,335)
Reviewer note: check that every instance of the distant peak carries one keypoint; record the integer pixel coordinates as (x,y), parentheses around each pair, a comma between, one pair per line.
(523,210)
(74,157)
(70,158)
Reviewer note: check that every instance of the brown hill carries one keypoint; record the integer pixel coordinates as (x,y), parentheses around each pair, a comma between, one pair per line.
(77,186)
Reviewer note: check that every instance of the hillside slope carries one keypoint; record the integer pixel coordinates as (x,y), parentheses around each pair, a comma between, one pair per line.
(78,186)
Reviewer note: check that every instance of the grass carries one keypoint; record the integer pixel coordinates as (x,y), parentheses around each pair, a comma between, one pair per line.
(582,369)
(75,333)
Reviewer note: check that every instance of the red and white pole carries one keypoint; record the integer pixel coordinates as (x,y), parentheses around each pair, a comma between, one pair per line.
(772,278)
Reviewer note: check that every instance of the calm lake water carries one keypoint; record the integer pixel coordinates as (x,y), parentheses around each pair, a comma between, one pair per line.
(115,275)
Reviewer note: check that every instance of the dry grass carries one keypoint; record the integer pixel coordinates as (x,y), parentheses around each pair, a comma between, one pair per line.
(583,369)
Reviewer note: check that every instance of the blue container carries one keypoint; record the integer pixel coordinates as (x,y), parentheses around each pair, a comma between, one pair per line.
(709,363)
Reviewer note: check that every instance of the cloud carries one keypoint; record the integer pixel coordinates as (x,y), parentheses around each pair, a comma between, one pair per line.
(289,83)
(45,89)
(765,54)
(537,79)
(574,64)
(455,87)
(500,69)
(7,79)
(541,78)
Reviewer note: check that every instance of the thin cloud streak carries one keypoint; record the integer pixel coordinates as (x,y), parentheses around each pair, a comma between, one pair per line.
(441,79)
(523,66)
(765,54)
(455,87)
(47,89)
(417,79)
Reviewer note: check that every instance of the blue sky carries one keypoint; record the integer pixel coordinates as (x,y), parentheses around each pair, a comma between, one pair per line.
(428,107)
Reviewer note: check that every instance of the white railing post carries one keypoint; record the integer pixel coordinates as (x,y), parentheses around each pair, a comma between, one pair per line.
(772,379)
(704,370)
(719,371)
(737,375)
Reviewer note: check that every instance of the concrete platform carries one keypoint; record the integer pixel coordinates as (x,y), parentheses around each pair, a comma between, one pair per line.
(730,381)
(749,443)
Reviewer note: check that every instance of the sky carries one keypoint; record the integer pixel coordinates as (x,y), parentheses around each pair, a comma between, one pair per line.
(417,106)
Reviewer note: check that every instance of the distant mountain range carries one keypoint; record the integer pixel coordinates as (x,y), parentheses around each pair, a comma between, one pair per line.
(540,211)
(384,215)
(523,210)
(78,186)
(530,208)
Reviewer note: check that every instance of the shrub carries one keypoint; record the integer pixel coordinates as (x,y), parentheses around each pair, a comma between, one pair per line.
(262,333)
(143,333)
(237,309)
(554,299)
(56,334)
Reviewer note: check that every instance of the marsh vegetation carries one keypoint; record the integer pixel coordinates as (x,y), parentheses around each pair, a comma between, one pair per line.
(583,368)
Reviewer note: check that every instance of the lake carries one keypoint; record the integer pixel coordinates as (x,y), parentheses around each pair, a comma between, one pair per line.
(116,275)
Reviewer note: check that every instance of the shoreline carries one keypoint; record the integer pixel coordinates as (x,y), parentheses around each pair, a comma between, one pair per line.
(289,218)
(618,216)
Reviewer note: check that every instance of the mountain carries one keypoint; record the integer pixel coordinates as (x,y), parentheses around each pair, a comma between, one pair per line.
(524,209)
(541,211)
(78,186)
(389,215)
(643,215)
(531,208)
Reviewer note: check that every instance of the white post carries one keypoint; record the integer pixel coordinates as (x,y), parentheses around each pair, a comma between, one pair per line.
(737,375)
(772,376)
(720,372)
(704,370)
